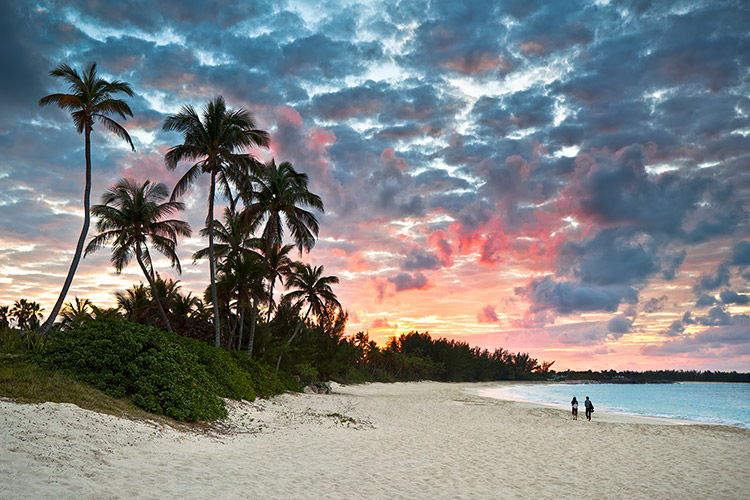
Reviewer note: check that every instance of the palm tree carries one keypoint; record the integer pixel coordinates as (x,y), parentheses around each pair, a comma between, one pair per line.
(278,264)
(214,144)
(90,99)
(243,275)
(280,194)
(231,238)
(313,288)
(27,314)
(4,317)
(75,313)
(130,216)
(134,302)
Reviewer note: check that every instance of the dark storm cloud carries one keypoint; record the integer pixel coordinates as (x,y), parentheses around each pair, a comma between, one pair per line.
(705,300)
(566,297)
(558,26)
(406,281)
(741,254)
(418,259)
(708,282)
(655,304)
(23,66)
(731,297)
(318,57)
(522,110)
(619,325)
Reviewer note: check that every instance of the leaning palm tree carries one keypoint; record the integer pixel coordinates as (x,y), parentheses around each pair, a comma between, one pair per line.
(311,287)
(279,195)
(130,216)
(215,143)
(90,99)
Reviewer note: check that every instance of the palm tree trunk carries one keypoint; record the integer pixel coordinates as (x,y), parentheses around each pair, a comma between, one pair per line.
(296,331)
(211,259)
(270,299)
(251,338)
(152,284)
(81,239)
(242,327)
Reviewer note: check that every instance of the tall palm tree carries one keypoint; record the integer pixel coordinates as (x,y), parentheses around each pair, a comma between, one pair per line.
(278,265)
(311,287)
(90,99)
(231,237)
(215,144)
(130,216)
(243,274)
(279,195)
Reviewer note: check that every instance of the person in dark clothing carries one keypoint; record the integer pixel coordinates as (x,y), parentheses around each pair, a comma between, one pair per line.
(574,404)
(589,408)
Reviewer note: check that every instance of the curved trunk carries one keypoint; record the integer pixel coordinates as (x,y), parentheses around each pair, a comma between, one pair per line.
(251,338)
(270,299)
(81,239)
(211,261)
(152,284)
(296,331)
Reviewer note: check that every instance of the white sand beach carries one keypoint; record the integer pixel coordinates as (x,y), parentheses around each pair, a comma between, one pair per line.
(376,441)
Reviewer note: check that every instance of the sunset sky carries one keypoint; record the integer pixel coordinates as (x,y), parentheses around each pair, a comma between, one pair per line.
(569,179)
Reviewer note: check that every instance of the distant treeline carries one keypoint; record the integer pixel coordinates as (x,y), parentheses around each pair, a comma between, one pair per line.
(654,376)
(417,356)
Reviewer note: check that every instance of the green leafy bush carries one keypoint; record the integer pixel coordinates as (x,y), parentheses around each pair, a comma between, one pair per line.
(266,382)
(231,380)
(161,373)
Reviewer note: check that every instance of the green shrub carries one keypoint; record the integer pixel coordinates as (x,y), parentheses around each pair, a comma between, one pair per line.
(162,374)
(11,341)
(266,382)
(232,381)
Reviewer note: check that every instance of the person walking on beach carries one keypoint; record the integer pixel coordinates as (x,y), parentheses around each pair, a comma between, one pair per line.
(574,404)
(589,408)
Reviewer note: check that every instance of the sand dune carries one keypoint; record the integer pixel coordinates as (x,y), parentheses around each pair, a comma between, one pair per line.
(409,440)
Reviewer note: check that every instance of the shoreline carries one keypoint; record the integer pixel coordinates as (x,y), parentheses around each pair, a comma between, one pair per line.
(603,413)
(371,441)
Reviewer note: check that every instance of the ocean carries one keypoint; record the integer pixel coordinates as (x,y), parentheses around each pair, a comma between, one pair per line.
(700,402)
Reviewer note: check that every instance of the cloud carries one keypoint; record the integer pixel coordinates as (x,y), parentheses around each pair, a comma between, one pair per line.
(731,297)
(487,315)
(567,297)
(406,281)
(732,334)
(619,325)
(708,282)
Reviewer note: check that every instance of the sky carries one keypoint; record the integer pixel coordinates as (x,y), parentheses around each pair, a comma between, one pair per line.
(565,178)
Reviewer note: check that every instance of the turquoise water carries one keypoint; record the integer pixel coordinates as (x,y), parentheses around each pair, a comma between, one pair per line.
(701,402)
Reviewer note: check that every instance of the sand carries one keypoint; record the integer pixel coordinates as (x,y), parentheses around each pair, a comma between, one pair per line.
(421,440)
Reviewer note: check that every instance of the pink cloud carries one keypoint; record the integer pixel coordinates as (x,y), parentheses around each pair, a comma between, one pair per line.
(487,315)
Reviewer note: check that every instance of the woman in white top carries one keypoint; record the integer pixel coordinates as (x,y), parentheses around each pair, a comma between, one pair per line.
(574,404)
